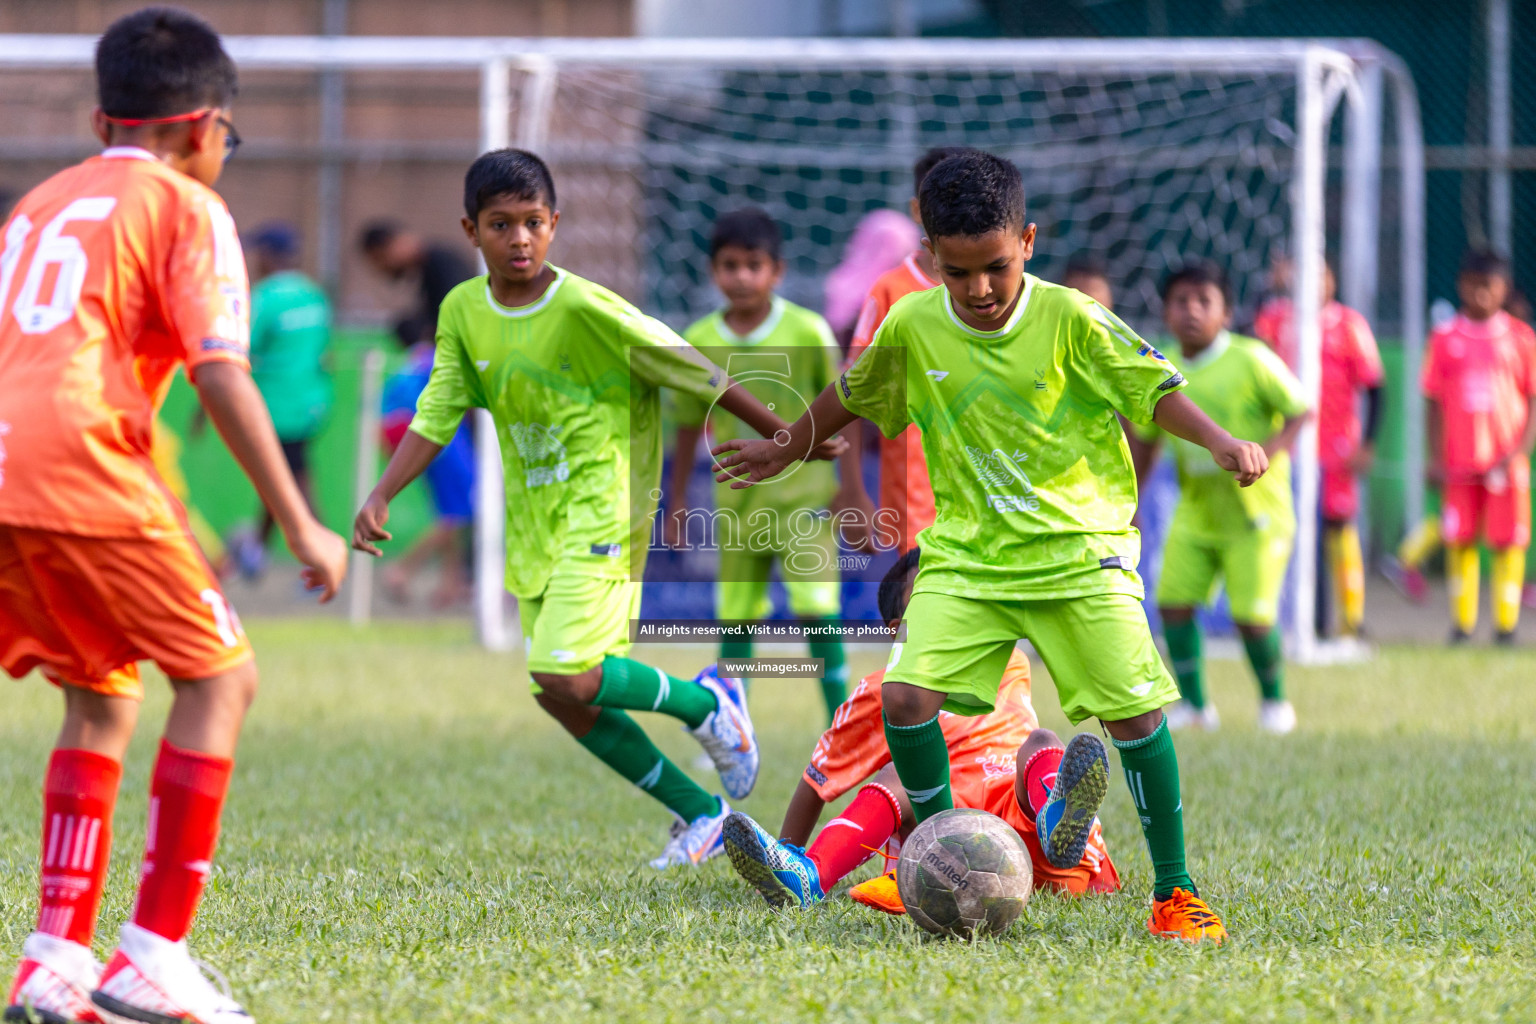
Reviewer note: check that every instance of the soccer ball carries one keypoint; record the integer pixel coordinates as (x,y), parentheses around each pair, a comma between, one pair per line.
(964,873)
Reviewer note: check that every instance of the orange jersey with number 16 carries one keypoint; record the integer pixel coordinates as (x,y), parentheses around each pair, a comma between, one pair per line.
(112,273)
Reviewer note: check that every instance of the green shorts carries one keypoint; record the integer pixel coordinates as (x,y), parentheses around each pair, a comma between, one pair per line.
(1251,564)
(1098,649)
(808,567)
(577,622)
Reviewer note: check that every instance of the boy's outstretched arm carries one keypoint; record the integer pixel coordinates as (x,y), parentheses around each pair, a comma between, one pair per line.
(1181,417)
(802,815)
(744,405)
(240,416)
(745,463)
(410,460)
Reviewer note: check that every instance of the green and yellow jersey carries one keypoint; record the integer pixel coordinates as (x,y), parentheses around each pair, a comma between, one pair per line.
(1032,476)
(785,363)
(572,382)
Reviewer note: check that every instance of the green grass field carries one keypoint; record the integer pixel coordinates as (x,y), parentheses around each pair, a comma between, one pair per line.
(409,839)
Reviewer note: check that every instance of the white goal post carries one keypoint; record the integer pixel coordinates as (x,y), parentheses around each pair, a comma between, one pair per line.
(1138,146)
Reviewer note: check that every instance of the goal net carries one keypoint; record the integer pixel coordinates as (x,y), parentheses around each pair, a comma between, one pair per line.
(1142,154)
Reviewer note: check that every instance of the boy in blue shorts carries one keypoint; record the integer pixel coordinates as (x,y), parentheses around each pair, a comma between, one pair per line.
(571,375)
(1015,384)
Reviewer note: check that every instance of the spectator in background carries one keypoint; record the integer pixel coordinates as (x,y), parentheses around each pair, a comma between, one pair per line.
(398,253)
(290,330)
(882,239)
(1087,273)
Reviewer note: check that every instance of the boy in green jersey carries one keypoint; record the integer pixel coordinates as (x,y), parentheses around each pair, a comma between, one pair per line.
(1015,383)
(1221,533)
(570,373)
(785,355)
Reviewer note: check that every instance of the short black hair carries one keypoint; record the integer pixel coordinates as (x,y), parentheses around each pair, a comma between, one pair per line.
(892,597)
(931,159)
(507,172)
(1199,272)
(1085,264)
(748,228)
(160,62)
(1484,263)
(971,194)
(376,234)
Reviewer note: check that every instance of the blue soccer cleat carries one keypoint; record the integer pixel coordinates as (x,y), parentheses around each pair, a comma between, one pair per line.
(1067,817)
(781,871)
(727,735)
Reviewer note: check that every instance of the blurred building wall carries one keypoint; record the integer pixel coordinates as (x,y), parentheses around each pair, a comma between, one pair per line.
(406,138)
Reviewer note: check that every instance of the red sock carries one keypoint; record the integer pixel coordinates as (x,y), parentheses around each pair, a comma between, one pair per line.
(186,798)
(854,836)
(77,840)
(1039,776)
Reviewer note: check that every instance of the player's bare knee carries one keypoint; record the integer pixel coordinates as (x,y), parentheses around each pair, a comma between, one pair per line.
(569,689)
(1040,739)
(1137,728)
(907,705)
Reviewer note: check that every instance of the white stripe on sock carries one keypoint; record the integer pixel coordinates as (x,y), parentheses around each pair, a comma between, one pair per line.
(651,777)
(53,841)
(664,689)
(90,848)
(843,821)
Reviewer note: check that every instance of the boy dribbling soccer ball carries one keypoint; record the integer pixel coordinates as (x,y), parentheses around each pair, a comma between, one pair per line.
(571,375)
(1015,384)
(116,272)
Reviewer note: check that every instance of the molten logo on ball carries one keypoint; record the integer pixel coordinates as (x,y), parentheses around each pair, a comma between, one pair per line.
(964,873)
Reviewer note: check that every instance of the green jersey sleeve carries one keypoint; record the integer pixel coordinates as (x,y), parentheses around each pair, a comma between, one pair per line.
(1122,369)
(875,386)
(1278,386)
(691,410)
(658,357)
(449,392)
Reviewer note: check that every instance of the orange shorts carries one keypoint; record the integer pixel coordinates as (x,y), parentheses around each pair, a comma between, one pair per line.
(986,780)
(86,609)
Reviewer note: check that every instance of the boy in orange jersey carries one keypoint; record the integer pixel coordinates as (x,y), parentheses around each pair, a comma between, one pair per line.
(1003,763)
(1480,378)
(1346,444)
(906,495)
(114,273)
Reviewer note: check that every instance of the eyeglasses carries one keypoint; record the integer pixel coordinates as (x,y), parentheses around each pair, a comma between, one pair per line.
(231,137)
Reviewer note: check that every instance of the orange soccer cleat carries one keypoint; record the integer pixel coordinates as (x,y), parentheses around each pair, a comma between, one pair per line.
(879,892)
(1184,915)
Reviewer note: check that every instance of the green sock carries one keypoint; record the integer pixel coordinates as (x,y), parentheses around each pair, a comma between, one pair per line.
(834,670)
(921,758)
(1188,662)
(1152,771)
(637,687)
(620,743)
(1268,664)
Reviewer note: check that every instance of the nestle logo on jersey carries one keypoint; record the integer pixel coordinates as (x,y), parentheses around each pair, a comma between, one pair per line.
(1148,350)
